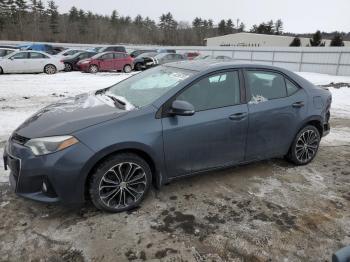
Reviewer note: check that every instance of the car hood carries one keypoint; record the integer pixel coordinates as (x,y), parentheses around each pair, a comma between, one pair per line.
(68,116)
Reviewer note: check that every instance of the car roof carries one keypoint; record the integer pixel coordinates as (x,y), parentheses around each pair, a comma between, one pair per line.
(7,48)
(213,64)
(32,51)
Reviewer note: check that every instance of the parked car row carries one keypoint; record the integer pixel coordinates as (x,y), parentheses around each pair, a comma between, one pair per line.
(30,58)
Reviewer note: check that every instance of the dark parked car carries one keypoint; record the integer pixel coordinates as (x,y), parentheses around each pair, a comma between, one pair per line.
(114,48)
(164,123)
(144,61)
(70,62)
(107,61)
(136,53)
(173,51)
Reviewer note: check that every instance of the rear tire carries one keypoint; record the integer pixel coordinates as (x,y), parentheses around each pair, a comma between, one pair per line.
(93,69)
(120,183)
(127,69)
(1,71)
(68,67)
(305,146)
(50,69)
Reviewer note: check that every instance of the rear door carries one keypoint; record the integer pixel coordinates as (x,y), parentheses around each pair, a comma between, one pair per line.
(275,113)
(37,61)
(118,61)
(215,136)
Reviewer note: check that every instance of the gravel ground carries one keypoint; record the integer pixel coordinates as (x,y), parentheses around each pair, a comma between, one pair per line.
(266,211)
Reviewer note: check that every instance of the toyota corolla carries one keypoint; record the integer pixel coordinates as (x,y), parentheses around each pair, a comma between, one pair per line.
(171,121)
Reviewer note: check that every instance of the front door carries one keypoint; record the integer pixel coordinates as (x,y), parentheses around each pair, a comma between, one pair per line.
(276,109)
(17,63)
(215,136)
(107,62)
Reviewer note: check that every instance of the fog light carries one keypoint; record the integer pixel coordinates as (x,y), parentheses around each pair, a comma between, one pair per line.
(44,187)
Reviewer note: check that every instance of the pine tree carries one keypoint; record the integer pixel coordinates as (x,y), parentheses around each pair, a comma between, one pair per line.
(278,27)
(296,42)
(241,27)
(229,26)
(53,15)
(337,40)
(316,39)
(222,27)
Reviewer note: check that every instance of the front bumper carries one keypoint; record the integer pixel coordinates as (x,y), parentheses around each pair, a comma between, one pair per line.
(61,172)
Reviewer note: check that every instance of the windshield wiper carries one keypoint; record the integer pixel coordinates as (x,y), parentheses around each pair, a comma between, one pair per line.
(118,103)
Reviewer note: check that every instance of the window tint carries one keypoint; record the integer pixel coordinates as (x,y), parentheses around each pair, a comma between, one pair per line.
(118,56)
(215,91)
(107,56)
(265,85)
(22,55)
(291,88)
(37,55)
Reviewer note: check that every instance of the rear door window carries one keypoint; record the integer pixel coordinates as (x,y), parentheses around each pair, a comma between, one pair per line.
(34,55)
(265,85)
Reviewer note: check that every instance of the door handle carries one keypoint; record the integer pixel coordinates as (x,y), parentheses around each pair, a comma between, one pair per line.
(237,116)
(298,104)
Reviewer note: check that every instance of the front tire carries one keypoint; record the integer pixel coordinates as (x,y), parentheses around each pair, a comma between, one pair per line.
(93,69)
(1,71)
(305,146)
(50,69)
(120,183)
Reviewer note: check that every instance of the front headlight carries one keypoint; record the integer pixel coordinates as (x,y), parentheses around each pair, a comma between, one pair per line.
(47,145)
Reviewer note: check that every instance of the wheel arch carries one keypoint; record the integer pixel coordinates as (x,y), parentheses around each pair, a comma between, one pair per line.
(315,121)
(105,154)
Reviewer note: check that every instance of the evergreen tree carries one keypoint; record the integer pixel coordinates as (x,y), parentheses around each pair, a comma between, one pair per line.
(296,42)
(241,27)
(316,39)
(278,27)
(73,14)
(337,40)
(222,27)
(53,17)
(229,26)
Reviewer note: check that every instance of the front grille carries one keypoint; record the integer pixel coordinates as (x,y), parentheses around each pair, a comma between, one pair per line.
(16,138)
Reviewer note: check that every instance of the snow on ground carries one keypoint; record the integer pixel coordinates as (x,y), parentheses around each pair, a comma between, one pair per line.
(324,79)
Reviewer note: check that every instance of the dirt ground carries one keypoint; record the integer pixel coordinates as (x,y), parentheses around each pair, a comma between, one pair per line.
(267,211)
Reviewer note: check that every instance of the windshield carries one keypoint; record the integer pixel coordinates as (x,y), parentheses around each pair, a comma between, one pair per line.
(144,88)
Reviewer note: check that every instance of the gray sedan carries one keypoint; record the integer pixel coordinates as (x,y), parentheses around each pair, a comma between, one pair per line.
(165,123)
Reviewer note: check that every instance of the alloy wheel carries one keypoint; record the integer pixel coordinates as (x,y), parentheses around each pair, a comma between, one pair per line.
(93,69)
(50,69)
(306,146)
(122,185)
(127,69)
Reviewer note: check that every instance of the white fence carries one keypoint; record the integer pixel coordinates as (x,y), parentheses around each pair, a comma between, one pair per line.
(329,60)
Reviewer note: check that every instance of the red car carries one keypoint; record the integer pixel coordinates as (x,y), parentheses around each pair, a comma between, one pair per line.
(107,61)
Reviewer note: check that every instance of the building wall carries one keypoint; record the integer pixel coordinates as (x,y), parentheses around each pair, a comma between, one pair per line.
(259,40)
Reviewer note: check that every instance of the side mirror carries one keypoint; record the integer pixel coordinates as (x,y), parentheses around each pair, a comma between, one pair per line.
(181,108)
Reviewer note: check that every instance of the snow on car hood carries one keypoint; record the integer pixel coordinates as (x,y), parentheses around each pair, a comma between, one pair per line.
(68,115)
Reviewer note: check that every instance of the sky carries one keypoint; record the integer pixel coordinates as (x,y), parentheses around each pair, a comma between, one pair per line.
(298,16)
